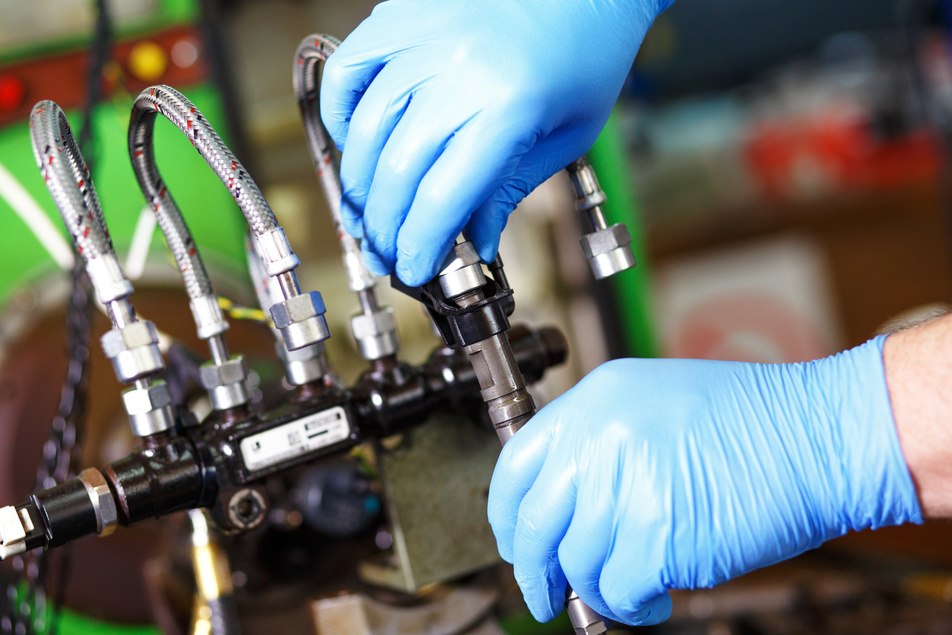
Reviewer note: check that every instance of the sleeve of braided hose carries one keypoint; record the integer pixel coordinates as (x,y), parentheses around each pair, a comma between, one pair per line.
(175,107)
(67,178)
(311,53)
(198,285)
(69,182)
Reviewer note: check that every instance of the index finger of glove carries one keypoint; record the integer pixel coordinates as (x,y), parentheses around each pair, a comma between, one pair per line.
(516,470)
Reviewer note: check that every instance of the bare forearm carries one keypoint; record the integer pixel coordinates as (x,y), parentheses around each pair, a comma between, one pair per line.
(918,364)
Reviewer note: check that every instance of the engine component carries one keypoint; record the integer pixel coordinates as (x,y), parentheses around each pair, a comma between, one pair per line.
(132,344)
(471,313)
(607,248)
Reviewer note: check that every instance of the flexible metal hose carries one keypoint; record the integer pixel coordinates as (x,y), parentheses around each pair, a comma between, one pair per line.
(67,178)
(311,53)
(174,106)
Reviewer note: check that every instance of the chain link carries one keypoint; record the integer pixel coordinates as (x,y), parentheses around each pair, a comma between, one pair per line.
(27,604)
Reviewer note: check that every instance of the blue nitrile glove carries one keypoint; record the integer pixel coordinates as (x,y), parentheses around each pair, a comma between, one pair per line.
(653,475)
(448,112)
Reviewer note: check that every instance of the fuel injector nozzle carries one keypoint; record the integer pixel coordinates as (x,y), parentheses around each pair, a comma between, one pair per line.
(472,313)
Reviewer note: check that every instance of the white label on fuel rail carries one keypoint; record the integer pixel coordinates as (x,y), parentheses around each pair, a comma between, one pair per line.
(293,439)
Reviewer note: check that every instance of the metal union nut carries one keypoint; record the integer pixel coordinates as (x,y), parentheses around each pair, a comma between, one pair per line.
(374,324)
(133,335)
(107,516)
(133,350)
(604,240)
(301,320)
(229,372)
(140,401)
(297,309)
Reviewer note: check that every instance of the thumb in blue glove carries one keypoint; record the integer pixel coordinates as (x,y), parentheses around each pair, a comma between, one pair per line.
(448,112)
(653,475)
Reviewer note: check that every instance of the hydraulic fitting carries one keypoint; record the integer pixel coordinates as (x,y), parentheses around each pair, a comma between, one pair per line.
(607,248)
(149,408)
(15,524)
(225,382)
(303,365)
(107,278)
(134,350)
(463,271)
(209,320)
(278,255)
(301,320)
(375,333)
(107,516)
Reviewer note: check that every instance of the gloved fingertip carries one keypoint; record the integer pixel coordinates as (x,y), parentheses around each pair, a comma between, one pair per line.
(654,611)
(543,609)
(412,274)
(375,263)
(488,249)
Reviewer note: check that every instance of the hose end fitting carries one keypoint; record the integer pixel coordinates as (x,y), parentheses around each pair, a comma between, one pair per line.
(133,350)
(301,320)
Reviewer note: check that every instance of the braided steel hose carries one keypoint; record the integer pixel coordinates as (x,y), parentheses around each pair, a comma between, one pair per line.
(374,328)
(174,106)
(311,53)
(67,178)
(132,344)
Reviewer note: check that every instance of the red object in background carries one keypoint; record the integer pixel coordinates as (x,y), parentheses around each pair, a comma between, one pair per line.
(12,93)
(62,77)
(836,150)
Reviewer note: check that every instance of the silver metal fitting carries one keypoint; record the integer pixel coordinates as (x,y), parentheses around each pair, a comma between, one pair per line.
(134,350)
(301,320)
(208,317)
(304,365)
(14,526)
(608,250)
(149,408)
(463,271)
(107,278)
(375,333)
(225,382)
(588,193)
(107,516)
(278,255)
(584,620)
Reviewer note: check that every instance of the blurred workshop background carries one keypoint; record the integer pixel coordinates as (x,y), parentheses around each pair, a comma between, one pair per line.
(783,166)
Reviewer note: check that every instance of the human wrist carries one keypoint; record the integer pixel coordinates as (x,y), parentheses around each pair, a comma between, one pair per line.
(918,368)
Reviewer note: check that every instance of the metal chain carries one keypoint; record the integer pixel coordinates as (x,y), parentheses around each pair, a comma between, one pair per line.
(27,613)
(26,595)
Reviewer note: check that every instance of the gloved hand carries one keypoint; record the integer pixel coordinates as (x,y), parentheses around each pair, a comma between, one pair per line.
(448,112)
(653,475)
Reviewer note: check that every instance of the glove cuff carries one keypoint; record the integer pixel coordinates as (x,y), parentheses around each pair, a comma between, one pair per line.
(877,489)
